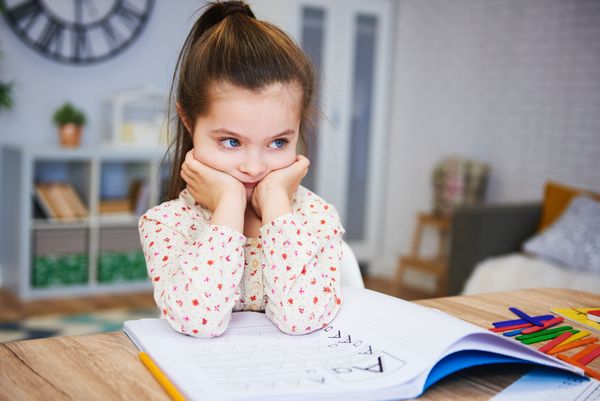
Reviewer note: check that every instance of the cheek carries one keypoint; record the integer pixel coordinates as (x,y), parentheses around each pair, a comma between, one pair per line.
(213,159)
(282,160)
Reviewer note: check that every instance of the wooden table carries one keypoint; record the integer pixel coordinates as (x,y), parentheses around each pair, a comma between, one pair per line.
(105,366)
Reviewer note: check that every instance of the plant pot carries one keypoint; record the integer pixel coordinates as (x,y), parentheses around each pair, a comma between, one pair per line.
(70,135)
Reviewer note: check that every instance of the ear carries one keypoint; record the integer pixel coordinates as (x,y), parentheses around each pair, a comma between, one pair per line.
(183,117)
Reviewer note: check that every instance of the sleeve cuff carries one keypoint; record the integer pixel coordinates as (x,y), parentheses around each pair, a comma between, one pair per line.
(225,230)
(282,220)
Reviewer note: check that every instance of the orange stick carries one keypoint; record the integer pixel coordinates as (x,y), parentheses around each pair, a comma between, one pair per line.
(572,345)
(593,354)
(584,352)
(588,371)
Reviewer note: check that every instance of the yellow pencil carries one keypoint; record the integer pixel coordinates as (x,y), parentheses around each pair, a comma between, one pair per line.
(575,337)
(162,379)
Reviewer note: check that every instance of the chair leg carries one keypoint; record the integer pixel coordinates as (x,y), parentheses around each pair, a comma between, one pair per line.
(399,279)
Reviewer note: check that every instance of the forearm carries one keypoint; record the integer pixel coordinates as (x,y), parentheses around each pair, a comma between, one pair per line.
(191,309)
(196,280)
(277,203)
(302,274)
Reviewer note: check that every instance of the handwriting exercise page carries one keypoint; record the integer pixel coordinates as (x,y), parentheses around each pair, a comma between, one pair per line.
(376,342)
(259,361)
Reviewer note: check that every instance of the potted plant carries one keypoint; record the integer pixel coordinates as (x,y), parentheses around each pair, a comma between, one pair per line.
(6,101)
(70,122)
(6,91)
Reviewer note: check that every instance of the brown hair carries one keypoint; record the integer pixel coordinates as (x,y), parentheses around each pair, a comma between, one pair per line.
(228,44)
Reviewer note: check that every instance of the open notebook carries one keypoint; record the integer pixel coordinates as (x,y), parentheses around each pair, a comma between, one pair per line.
(377,348)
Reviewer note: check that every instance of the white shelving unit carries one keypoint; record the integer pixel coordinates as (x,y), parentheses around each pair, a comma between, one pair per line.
(22,167)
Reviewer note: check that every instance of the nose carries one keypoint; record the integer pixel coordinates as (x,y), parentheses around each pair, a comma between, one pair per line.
(253,166)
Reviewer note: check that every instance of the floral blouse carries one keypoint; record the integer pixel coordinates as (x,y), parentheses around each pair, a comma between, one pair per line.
(202,272)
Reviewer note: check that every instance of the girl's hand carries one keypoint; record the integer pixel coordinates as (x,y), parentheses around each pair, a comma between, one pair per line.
(273,195)
(209,186)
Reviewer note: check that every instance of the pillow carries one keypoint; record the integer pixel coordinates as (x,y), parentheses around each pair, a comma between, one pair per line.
(574,239)
(556,199)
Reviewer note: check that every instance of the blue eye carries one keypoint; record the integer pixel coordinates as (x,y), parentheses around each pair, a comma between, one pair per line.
(230,143)
(279,143)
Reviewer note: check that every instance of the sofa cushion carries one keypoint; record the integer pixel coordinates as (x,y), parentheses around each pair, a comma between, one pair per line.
(574,239)
(556,199)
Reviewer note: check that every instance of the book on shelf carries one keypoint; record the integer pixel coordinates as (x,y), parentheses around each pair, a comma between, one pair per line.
(378,347)
(59,201)
(139,196)
(112,206)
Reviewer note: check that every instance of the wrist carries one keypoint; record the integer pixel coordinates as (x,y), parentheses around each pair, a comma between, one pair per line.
(230,210)
(232,196)
(276,202)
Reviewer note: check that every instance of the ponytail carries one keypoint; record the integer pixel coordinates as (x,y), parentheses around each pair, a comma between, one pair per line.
(228,44)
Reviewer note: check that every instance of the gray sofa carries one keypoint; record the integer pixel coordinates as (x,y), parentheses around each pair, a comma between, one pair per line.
(483,231)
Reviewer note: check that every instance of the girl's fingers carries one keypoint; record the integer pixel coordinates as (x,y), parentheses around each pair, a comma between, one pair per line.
(302,164)
(185,175)
(185,168)
(303,159)
(198,167)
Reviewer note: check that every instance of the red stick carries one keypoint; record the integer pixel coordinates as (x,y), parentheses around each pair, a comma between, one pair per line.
(545,325)
(555,342)
(593,352)
(507,328)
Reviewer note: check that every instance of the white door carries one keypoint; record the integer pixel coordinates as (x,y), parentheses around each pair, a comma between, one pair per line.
(350,44)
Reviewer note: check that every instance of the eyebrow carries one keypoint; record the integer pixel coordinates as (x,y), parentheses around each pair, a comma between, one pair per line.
(228,132)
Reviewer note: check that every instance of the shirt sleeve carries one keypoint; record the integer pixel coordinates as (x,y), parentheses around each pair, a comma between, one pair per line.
(195,277)
(302,254)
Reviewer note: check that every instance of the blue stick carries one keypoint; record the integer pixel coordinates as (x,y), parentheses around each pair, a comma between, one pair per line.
(512,333)
(514,322)
(525,316)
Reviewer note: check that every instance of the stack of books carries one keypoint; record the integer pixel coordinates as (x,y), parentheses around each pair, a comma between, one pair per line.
(60,201)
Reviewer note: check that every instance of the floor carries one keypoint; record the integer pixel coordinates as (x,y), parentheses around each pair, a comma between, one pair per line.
(12,309)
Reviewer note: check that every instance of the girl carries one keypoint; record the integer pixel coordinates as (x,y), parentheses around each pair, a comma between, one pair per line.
(239,232)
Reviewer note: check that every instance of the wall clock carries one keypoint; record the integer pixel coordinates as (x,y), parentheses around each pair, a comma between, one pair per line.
(77,32)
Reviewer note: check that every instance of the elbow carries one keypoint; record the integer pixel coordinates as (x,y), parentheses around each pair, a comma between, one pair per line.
(285,320)
(199,327)
(297,327)
(300,321)
(291,329)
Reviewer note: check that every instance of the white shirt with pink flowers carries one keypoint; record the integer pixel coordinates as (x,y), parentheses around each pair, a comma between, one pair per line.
(201,272)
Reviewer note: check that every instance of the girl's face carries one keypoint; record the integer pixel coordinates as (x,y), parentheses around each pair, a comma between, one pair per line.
(248,134)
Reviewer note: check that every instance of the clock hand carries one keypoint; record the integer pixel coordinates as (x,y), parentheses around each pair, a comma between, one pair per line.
(78,12)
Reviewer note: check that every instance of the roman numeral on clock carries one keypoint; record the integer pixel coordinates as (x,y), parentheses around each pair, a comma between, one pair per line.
(77,32)
(24,15)
(51,37)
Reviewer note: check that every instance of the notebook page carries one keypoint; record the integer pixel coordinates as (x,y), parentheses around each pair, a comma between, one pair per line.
(375,342)
(430,333)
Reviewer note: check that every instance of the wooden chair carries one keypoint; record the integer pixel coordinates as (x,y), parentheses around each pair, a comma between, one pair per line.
(438,264)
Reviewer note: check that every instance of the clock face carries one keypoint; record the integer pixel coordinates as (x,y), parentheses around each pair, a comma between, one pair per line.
(77,31)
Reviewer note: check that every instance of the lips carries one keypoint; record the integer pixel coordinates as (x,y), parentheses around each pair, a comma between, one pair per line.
(250,184)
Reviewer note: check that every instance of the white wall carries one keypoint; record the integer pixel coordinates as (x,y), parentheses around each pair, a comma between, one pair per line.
(42,85)
(515,83)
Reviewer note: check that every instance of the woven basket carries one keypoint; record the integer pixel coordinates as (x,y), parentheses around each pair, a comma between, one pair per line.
(458,182)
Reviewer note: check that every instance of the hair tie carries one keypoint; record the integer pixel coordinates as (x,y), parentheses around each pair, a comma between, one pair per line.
(232,7)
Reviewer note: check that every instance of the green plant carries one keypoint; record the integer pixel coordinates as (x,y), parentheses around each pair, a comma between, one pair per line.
(6,101)
(66,114)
